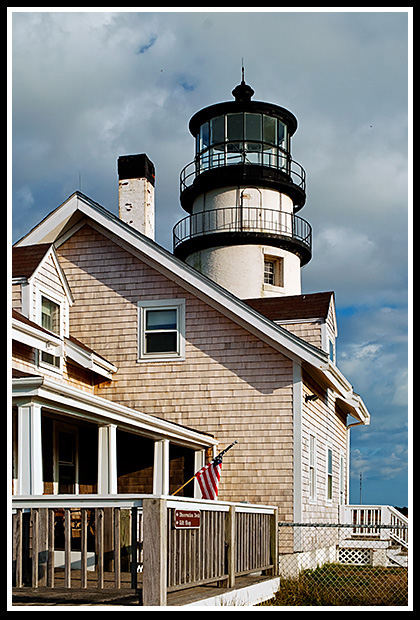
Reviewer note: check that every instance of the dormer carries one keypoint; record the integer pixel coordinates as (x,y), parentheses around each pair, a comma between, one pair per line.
(312,317)
(40,317)
(41,294)
(329,331)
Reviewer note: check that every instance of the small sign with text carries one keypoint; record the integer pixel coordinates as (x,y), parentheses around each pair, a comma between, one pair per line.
(187,519)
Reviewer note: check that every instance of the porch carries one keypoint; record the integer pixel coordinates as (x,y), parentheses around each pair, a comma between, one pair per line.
(70,441)
(147,550)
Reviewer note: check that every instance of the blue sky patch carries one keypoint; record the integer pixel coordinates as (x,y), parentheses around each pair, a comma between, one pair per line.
(144,48)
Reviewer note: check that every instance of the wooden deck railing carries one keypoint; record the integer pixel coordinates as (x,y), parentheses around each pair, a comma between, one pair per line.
(150,544)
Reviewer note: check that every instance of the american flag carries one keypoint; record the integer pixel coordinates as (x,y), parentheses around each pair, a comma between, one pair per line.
(208,478)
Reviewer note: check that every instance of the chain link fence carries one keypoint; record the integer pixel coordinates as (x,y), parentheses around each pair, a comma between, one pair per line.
(342,565)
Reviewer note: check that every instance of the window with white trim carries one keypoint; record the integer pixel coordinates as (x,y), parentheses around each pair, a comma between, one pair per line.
(161,330)
(312,468)
(50,320)
(329,481)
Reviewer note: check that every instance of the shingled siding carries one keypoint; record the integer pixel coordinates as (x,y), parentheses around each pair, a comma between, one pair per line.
(231,384)
(323,420)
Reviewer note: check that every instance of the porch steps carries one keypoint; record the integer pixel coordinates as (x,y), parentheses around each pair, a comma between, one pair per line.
(398,556)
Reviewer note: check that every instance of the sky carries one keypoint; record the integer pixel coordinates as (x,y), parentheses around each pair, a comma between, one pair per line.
(86,86)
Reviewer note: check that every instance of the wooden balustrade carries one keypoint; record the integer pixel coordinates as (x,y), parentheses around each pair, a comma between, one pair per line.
(150,544)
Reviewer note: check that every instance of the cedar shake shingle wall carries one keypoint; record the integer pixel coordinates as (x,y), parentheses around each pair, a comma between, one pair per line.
(322,419)
(16,297)
(231,384)
(311,331)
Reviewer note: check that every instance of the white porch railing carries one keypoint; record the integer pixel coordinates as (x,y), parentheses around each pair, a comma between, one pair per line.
(368,521)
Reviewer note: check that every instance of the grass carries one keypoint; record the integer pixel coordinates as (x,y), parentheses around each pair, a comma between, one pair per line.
(344,585)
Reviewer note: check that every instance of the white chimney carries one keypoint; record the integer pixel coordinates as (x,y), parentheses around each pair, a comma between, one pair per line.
(136,193)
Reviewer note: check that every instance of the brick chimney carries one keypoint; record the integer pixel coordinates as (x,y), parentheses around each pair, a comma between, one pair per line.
(136,193)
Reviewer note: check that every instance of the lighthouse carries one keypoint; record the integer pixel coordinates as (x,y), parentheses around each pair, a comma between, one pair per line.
(242,193)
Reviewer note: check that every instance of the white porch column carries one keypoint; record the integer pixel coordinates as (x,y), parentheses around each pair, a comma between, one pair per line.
(199,462)
(161,468)
(29,474)
(297,442)
(107,459)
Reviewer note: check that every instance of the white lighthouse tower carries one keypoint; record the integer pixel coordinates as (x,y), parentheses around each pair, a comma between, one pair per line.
(242,193)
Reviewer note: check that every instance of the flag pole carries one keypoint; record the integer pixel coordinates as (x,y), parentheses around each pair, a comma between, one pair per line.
(216,457)
(184,485)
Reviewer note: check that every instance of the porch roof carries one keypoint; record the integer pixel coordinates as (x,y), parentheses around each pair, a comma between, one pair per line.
(26,331)
(79,404)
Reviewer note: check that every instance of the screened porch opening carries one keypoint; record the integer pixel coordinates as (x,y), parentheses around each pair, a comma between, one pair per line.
(135,455)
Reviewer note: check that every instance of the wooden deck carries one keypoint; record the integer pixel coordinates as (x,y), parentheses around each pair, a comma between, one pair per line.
(124,597)
(178,561)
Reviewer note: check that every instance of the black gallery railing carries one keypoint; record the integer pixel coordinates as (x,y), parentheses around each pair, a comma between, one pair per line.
(244,220)
(254,154)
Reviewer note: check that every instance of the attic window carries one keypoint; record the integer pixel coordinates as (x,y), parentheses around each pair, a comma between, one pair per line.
(161,329)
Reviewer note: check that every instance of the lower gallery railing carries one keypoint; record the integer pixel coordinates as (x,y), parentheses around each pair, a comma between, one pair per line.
(149,544)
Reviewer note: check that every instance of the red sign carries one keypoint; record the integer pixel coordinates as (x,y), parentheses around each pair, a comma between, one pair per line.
(187,519)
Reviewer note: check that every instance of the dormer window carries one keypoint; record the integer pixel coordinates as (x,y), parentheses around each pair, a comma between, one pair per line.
(50,315)
(50,320)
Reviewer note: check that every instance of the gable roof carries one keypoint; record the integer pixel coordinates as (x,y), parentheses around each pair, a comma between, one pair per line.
(25,259)
(78,209)
(287,308)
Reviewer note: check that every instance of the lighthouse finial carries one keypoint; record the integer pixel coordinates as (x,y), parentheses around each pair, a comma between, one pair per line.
(243,92)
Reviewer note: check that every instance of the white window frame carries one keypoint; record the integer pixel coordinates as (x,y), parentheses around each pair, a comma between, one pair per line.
(329,475)
(328,342)
(162,304)
(312,469)
(60,302)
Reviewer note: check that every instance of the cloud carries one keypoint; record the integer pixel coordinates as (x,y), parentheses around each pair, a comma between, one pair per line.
(380,464)
(89,86)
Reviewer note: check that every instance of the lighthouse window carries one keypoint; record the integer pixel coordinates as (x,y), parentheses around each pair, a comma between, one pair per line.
(282,135)
(217,130)
(269,271)
(253,127)
(235,129)
(269,130)
(242,137)
(273,271)
(204,136)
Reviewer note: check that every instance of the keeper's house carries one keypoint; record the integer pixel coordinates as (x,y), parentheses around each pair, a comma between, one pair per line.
(131,364)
